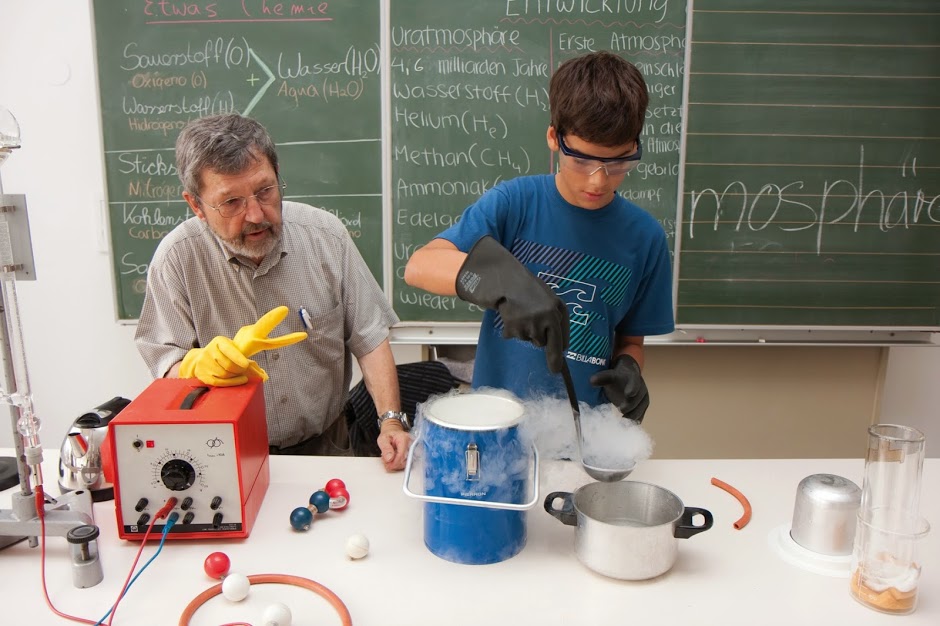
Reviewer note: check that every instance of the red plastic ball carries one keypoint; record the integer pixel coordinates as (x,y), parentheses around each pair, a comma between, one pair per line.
(339,499)
(332,485)
(217,565)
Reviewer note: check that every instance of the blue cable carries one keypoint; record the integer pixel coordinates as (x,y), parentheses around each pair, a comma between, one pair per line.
(166,530)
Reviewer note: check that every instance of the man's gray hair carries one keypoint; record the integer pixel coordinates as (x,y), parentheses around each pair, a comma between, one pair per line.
(227,144)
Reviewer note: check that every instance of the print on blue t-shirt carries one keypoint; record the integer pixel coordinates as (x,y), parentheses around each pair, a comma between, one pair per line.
(580,280)
(610,266)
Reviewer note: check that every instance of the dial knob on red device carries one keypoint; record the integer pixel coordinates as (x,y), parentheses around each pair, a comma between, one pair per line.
(178,475)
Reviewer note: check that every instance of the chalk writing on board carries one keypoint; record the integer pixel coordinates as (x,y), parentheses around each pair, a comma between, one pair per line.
(150,189)
(308,70)
(469,107)
(801,205)
(595,9)
(182,11)
(783,207)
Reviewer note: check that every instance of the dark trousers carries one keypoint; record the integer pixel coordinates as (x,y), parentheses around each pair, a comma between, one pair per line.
(334,441)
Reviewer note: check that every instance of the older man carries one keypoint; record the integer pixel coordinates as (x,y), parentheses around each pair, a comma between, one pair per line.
(245,255)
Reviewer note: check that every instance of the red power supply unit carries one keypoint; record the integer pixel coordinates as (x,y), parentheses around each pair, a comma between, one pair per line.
(207,447)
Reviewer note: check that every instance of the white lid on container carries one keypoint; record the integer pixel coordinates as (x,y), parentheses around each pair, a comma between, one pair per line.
(474,411)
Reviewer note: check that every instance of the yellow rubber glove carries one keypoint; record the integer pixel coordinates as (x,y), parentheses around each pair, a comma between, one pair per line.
(220,364)
(224,362)
(253,338)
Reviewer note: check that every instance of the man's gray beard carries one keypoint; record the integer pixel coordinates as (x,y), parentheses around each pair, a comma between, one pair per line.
(238,246)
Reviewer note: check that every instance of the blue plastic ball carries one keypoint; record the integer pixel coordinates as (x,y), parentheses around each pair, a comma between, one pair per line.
(321,500)
(301,518)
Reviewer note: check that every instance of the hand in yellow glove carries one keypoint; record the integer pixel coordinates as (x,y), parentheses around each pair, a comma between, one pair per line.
(253,338)
(220,364)
(224,362)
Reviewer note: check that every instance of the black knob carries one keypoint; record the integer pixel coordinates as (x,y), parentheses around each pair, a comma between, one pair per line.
(143,519)
(187,502)
(216,503)
(178,475)
(141,505)
(217,521)
(188,518)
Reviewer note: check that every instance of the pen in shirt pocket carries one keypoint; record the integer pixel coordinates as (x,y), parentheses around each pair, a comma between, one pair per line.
(305,318)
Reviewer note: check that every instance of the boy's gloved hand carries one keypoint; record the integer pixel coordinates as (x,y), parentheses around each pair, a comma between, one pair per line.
(224,362)
(624,387)
(492,277)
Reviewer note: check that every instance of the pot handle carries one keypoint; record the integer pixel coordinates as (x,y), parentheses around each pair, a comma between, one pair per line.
(566,513)
(685,529)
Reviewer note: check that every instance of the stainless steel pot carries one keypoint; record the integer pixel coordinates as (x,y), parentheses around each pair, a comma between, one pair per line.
(627,530)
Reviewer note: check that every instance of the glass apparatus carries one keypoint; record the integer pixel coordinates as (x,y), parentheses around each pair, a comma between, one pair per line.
(886,559)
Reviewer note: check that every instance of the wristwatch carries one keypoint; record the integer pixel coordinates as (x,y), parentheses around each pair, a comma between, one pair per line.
(401,416)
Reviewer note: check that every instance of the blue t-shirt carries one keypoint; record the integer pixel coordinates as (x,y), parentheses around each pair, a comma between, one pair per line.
(610,266)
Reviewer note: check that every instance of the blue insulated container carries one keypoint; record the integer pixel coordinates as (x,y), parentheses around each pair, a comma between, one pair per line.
(473,451)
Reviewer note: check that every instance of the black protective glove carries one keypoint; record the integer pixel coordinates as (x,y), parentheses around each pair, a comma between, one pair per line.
(624,387)
(493,278)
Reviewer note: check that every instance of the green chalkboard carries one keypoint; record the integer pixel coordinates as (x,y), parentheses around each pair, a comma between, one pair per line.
(308,70)
(469,107)
(795,166)
(812,169)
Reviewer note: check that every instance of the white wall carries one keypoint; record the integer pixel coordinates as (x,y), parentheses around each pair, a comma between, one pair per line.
(78,354)
(912,392)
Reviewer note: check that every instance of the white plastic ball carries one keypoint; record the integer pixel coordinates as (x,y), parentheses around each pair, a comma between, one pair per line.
(235,587)
(276,614)
(357,546)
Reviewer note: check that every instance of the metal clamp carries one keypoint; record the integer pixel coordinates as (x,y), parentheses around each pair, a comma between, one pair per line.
(473,461)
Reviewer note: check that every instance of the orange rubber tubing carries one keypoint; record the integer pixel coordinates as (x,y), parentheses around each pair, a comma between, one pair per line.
(741,523)
(281,579)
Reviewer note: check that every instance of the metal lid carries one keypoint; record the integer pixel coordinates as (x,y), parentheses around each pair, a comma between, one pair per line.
(824,514)
(829,490)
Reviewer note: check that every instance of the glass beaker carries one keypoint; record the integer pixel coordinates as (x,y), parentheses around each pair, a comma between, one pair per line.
(886,562)
(891,484)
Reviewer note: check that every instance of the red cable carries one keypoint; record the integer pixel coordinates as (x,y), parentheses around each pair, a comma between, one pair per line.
(41,513)
(741,523)
(163,512)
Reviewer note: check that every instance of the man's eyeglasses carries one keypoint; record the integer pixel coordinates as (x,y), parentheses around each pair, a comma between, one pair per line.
(588,165)
(237,205)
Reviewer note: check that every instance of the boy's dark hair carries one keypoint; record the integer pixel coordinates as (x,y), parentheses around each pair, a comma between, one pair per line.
(599,97)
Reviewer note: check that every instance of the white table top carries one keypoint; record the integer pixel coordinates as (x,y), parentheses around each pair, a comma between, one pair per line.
(724,575)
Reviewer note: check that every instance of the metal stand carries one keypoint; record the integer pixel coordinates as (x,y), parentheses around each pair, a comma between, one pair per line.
(74,509)
(61,516)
